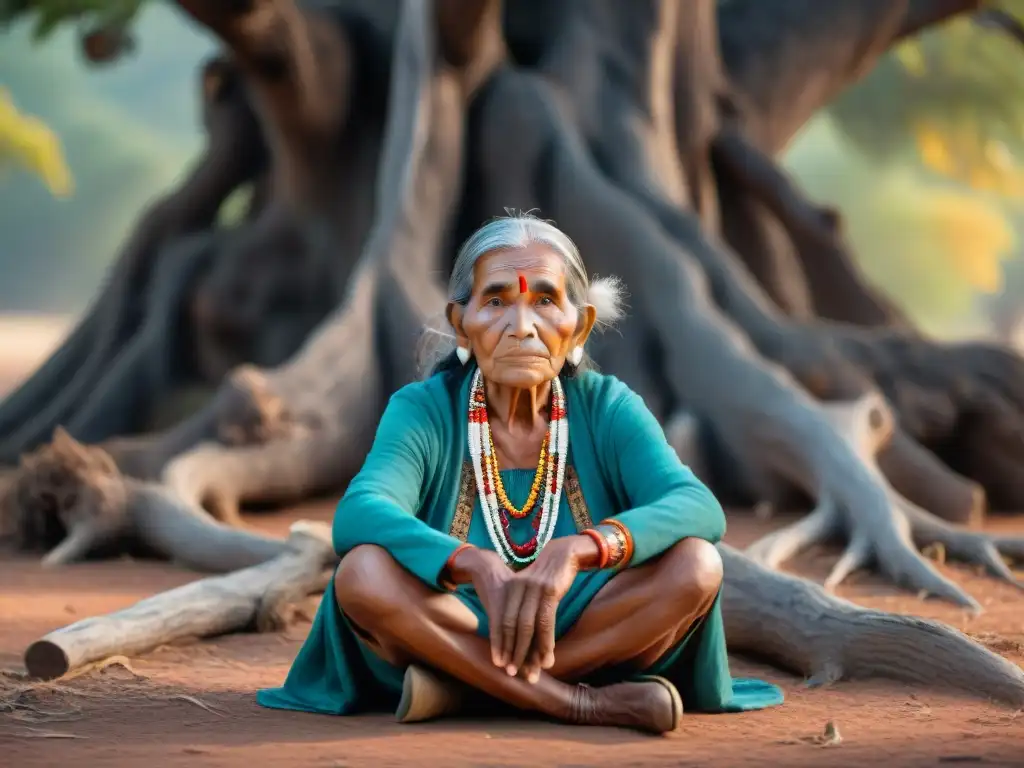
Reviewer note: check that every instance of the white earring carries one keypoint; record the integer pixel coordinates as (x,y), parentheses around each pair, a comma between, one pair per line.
(576,356)
(463,354)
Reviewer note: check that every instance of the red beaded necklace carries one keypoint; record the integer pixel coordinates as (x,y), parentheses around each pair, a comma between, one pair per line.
(494,502)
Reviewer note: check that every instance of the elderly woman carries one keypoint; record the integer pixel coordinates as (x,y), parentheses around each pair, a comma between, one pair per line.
(521,530)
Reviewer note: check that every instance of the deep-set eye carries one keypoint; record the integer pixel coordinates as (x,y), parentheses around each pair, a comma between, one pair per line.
(545,301)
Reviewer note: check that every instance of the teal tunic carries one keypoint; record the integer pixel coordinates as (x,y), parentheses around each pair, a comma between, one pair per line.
(404,500)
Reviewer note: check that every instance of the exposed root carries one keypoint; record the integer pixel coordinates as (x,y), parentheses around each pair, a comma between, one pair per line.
(797,625)
(964,400)
(835,284)
(73,500)
(68,497)
(153,361)
(252,414)
(920,476)
(54,374)
(886,540)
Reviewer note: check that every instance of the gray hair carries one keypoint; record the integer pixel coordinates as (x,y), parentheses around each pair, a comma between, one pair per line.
(517,231)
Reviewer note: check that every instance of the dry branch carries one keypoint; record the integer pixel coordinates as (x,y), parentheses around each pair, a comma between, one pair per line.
(766,48)
(204,608)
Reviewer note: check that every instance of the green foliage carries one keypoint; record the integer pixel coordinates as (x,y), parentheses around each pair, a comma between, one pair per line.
(952,99)
(46,16)
(932,244)
(942,119)
(121,151)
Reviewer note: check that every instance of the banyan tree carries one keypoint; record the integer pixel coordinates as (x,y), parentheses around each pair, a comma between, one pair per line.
(225,365)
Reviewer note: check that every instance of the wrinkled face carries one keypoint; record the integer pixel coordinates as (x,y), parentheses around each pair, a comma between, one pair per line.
(519,323)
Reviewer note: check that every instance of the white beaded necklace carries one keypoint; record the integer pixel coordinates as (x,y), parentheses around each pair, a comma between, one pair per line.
(484,466)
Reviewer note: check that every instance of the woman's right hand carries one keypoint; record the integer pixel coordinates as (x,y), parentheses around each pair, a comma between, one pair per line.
(490,576)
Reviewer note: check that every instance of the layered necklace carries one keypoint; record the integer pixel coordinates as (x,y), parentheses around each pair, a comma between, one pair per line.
(546,492)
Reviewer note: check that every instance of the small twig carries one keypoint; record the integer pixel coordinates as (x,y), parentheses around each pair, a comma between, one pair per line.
(197,702)
(30,734)
(102,664)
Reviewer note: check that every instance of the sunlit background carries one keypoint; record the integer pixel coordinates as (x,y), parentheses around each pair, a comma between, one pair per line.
(920,157)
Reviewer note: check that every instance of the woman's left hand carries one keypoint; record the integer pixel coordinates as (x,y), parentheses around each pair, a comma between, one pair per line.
(531,603)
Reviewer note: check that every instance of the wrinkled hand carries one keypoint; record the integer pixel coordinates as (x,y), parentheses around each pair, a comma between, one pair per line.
(526,627)
(489,575)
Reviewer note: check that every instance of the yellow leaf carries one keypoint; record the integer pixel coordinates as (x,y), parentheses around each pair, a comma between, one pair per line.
(933,147)
(974,236)
(912,58)
(27,141)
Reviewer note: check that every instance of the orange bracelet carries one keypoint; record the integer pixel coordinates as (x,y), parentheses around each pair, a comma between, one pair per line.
(449,563)
(602,546)
(627,555)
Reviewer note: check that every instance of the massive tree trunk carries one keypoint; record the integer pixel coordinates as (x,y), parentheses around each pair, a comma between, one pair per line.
(647,130)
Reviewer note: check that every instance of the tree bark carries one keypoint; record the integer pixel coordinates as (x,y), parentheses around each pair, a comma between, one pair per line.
(799,627)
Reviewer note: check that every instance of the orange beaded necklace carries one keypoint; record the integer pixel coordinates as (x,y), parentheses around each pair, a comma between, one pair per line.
(538,481)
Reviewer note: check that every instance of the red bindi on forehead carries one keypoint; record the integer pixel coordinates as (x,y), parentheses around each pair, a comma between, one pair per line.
(522,283)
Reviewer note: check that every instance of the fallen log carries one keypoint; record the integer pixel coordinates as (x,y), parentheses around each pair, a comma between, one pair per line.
(259,596)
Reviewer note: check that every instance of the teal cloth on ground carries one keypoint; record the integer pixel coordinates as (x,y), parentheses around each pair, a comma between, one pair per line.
(404,498)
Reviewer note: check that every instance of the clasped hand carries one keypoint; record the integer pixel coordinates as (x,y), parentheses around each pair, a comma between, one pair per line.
(521,606)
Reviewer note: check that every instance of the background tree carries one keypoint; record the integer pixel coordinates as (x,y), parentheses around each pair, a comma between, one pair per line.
(948,106)
(126,133)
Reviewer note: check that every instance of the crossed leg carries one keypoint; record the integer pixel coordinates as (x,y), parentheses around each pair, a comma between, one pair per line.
(638,616)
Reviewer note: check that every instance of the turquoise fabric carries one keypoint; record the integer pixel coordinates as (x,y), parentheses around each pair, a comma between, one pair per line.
(404,498)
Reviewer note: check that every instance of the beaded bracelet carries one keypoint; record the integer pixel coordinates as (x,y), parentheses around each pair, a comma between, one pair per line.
(449,564)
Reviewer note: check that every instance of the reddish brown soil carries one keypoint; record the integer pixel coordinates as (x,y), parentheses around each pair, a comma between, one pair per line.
(194,704)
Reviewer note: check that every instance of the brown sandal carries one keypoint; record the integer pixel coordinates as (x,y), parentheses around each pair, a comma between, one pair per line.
(428,695)
(677,700)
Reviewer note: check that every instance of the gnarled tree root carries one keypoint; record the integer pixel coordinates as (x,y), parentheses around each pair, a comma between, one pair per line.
(255,597)
(933,387)
(886,538)
(836,286)
(73,500)
(773,428)
(798,626)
